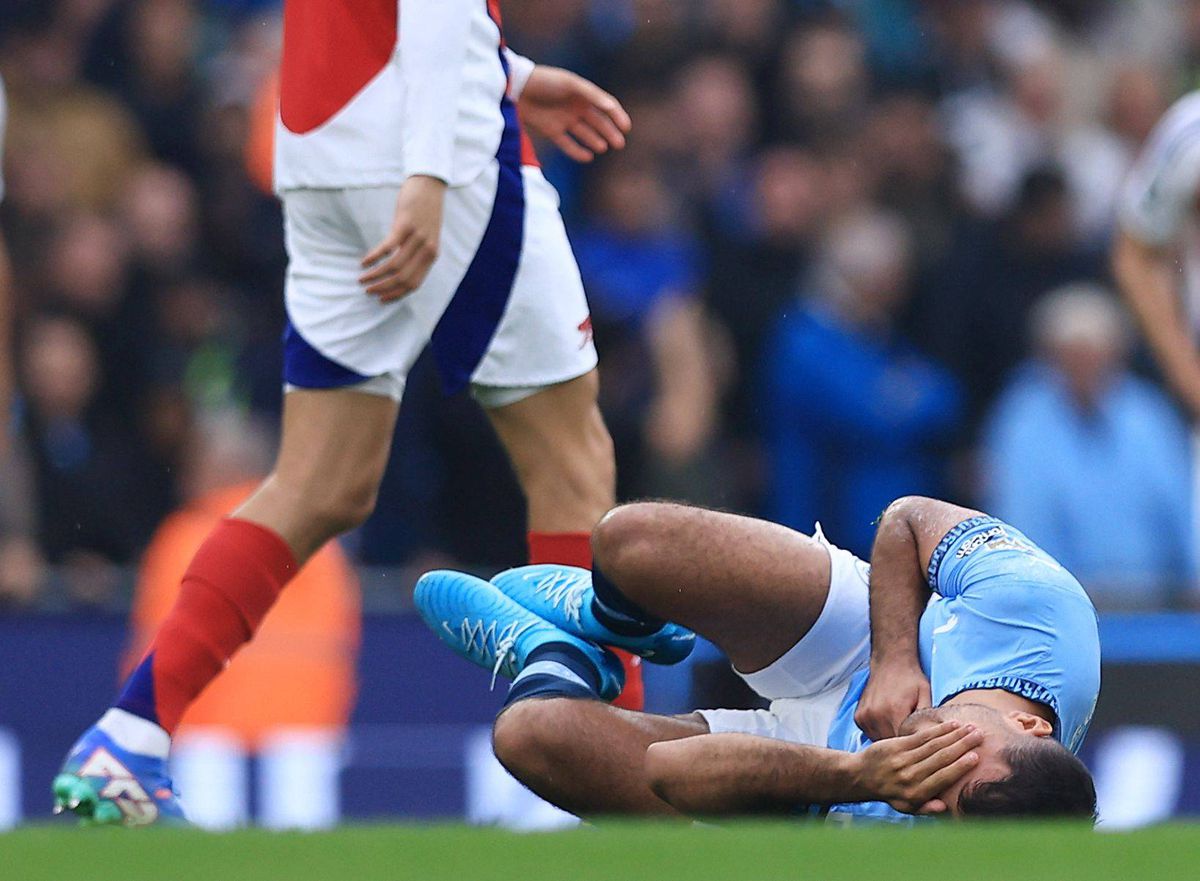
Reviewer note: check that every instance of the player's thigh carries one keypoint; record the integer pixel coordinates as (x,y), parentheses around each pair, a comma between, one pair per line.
(804,720)
(541,723)
(753,587)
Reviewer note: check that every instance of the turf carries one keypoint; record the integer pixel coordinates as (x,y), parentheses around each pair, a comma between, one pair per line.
(752,852)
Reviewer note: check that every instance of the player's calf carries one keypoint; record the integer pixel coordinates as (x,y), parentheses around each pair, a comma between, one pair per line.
(558,735)
(309,509)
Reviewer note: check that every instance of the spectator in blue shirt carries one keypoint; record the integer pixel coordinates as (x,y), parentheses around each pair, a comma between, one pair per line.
(635,253)
(854,415)
(664,358)
(1093,461)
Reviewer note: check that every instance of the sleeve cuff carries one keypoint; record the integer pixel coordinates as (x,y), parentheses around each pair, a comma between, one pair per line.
(520,69)
(948,542)
(1153,231)
(427,164)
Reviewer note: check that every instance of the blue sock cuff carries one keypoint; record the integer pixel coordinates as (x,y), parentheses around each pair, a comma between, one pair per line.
(544,685)
(556,669)
(617,612)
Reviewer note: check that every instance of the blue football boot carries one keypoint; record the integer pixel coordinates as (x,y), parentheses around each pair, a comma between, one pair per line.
(484,626)
(105,785)
(563,596)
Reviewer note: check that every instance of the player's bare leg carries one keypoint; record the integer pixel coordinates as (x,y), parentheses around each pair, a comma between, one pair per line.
(586,756)
(563,458)
(559,734)
(753,588)
(562,454)
(332,455)
(334,448)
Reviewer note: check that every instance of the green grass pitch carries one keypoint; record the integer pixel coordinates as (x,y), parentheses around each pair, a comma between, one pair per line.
(612,852)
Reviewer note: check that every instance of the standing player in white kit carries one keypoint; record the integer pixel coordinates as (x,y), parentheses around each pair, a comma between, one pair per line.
(414,212)
(1156,258)
(1157,253)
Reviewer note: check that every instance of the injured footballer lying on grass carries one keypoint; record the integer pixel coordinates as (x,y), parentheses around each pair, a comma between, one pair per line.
(954,674)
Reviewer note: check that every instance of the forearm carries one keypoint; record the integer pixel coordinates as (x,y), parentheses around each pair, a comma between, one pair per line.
(715,774)
(433,51)
(909,531)
(898,590)
(1147,279)
(682,417)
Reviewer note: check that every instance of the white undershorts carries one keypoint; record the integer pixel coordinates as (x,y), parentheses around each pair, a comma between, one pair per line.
(503,303)
(807,684)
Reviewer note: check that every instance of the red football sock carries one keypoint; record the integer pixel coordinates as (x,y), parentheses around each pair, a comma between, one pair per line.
(230,585)
(575,549)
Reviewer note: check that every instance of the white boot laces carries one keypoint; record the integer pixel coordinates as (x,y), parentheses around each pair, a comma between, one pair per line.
(491,643)
(562,588)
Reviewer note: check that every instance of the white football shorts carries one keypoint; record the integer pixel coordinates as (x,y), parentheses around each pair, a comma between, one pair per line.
(807,684)
(503,305)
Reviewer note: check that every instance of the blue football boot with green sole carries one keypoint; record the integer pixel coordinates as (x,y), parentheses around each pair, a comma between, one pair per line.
(105,785)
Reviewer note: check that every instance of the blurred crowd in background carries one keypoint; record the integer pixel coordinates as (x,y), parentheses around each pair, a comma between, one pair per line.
(854,250)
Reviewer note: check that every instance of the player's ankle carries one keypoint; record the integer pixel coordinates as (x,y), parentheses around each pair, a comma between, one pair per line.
(617,612)
(135,733)
(556,669)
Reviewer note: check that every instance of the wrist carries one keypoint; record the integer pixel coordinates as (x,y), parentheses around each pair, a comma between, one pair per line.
(852,778)
(895,658)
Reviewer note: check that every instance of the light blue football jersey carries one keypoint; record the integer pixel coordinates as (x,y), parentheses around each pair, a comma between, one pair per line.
(1004,614)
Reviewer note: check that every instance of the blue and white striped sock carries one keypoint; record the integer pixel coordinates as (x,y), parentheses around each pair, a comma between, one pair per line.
(556,669)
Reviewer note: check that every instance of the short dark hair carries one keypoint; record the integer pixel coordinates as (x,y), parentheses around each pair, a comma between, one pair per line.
(1047,780)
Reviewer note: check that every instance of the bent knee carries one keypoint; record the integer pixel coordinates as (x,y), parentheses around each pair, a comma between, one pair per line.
(625,540)
(523,735)
(664,768)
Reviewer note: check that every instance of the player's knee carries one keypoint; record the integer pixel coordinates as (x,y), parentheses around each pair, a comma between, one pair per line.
(624,542)
(663,769)
(523,734)
(346,508)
